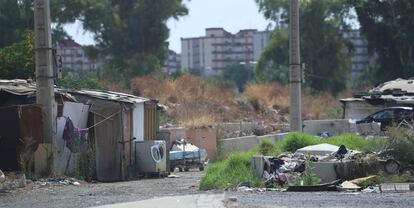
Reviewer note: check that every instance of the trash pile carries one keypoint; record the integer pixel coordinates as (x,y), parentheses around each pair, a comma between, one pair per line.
(184,155)
(12,182)
(323,167)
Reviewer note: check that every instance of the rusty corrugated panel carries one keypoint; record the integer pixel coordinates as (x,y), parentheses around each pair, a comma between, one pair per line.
(150,121)
(20,134)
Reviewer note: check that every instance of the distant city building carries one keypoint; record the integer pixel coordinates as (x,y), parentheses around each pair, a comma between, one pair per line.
(172,62)
(74,60)
(219,48)
(361,59)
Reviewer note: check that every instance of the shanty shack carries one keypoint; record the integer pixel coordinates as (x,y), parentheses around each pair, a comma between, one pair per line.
(21,122)
(96,130)
(116,122)
(399,92)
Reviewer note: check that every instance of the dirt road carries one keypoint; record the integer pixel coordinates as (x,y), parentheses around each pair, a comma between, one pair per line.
(97,194)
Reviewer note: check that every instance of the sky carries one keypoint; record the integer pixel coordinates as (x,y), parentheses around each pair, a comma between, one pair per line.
(232,15)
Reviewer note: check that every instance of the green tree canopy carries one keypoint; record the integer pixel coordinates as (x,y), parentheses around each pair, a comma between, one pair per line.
(17,60)
(389,28)
(131,34)
(324,52)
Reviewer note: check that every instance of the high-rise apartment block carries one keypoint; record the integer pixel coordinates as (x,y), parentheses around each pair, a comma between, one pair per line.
(73,58)
(172,62)
(219,48)
(360,59)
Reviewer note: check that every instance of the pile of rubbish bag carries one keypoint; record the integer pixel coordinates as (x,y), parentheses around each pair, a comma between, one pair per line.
(330,164)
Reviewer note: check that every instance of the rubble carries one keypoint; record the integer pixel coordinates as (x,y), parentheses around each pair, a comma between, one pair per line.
(336,168)
(14,182)
(349,186)
(374,179)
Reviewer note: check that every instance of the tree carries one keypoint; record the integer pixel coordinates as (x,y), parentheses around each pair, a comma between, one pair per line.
(131,34)
(17,16)
(324,52)
(17,60)
(389,29)
(239,74)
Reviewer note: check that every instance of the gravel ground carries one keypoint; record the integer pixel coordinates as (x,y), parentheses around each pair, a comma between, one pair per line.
(95,194)
(322,199)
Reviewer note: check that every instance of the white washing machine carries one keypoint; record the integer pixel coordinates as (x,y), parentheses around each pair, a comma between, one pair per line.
(150,156)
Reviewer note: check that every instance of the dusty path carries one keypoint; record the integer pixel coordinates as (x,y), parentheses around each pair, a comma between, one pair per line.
(87,195)
(323,199)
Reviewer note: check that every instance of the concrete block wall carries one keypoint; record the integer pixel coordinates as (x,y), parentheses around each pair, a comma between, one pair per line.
(339,126)
(246,143)
(334,127)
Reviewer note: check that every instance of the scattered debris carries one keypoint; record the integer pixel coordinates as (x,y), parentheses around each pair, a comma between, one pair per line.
(185,155)
(371,189)
(173,176)
(374,179)
(333,186)
(349,186)
(395,187)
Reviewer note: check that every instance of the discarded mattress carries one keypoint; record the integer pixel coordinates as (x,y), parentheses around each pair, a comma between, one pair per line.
(318,150)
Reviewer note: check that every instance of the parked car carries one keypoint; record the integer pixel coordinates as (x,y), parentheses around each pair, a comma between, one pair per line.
(390,116)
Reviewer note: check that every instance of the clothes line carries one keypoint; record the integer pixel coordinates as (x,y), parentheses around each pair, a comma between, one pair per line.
(105,119)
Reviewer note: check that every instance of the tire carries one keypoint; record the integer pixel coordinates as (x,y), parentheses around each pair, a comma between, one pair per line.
(201,168)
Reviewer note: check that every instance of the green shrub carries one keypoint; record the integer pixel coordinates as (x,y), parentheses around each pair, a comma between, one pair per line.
(268,148)
(230,173)
(375,144)
(297,140)
(402,142)
(351,141)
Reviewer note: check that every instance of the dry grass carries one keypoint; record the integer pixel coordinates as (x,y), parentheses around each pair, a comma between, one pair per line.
(193,101)
(276,96)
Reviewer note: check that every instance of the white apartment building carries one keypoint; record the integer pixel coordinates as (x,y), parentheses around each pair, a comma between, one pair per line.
(361,59)
(219,48)
(172,62)
(74,59)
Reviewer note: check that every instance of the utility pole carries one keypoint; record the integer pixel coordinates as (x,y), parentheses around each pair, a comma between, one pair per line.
(295,79)
(44,70)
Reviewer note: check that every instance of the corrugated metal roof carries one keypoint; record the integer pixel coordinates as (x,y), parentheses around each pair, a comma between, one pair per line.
(18,87)
(401,84)
(109,95)
(25,88)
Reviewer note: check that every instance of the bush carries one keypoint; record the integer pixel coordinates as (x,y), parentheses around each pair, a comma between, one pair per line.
(298,140)
(375,144)
(402,142)
(351,141)
(81,83)
(269,148)
(230,173)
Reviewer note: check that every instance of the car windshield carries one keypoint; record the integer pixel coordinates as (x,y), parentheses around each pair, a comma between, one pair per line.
(382,115)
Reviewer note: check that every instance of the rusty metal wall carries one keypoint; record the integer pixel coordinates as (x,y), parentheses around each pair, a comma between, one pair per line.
(20,134)
(150,121)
